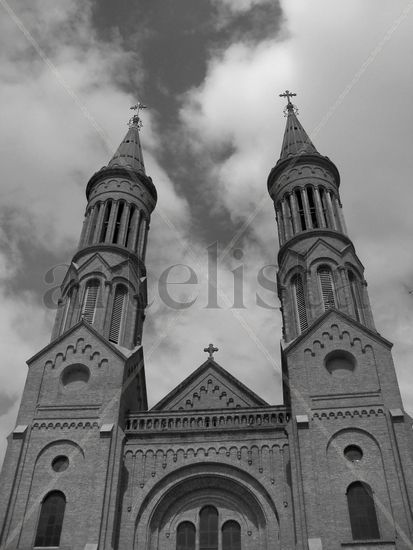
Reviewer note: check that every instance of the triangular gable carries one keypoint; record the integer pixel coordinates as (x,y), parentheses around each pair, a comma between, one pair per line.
(334,313)
(210,387)
(80,326)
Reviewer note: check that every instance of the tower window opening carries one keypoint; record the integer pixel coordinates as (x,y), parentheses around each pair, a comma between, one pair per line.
(355,295)
(311,203)
(327,287)
(118,222)
(231,536)
(299,302)
(300,207)
(131,221)
(362,512)
(324,205)
(185,536)
(208,528)
(117,313)
(105,224)
(50,523)
(90,301)
(93,223)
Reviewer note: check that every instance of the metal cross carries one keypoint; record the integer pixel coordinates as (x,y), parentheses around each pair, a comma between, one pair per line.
(288,94)
(211,350)
(136,118)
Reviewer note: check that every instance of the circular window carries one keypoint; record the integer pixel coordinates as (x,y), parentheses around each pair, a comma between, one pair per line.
(60,463)
(340,361)
(75,377)
(353,453)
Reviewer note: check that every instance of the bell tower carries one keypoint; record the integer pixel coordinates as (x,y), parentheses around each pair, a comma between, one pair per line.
(352,438)
(65,455)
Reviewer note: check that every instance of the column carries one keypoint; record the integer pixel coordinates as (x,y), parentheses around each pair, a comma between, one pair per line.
(98,230)
(112,220)
(124,224)
(340,216)
(294,214)
(287,220)
(330,211)
(280,225)
(306,207)
(319,208)
(141,238)
(86,223)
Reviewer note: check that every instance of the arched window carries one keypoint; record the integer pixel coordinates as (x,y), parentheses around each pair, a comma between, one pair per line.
(208,528)
(363,518)
(105,225)
(355,295)
(311,204)
(118,220)
(231,536)
(185,536)
(50,523)
(299,302)
(117,313)
(90,301)
(327,287)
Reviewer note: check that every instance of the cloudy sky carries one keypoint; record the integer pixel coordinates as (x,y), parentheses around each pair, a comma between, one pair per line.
(211,72)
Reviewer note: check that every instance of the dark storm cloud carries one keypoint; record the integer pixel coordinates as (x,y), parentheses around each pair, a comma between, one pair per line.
(174,37)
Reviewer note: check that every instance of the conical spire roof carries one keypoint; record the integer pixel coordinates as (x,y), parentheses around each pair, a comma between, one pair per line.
(296,140)
(129,152)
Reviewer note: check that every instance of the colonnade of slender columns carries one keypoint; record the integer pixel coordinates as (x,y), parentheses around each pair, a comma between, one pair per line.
(116,222)
(308,208)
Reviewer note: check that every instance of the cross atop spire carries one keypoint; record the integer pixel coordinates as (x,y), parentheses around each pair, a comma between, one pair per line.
(211,350)
(288,94)
(136,120)
(290,108)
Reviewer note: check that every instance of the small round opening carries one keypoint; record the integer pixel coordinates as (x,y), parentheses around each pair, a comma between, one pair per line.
(353,453)
(60,463)
(340,361)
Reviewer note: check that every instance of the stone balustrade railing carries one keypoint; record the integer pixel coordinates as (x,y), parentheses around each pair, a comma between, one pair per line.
(268,418)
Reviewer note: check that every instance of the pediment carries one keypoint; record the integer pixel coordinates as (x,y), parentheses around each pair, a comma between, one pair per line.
(210,387)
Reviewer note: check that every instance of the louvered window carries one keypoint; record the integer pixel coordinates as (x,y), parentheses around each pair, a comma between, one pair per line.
(185,536)
(231,536)
(116,231)
(50,523)
(355,295)
(117,313)
(90,301)
(327,288)
(300,305)
(363,518)
(105,225)
(208,528)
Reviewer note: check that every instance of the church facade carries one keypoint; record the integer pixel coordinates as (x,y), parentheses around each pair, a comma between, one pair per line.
(212,466)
